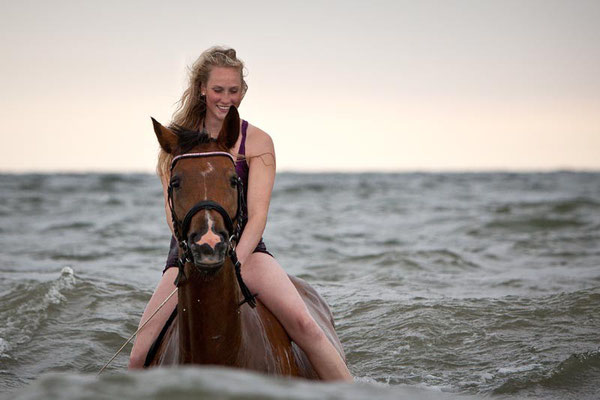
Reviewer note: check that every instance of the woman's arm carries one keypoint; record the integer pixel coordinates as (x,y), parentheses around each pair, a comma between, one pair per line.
(260,155)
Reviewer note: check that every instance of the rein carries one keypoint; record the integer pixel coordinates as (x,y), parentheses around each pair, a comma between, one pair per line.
(234,231)
(139,329)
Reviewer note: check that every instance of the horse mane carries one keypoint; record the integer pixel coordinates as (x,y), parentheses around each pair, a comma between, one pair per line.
(188,139)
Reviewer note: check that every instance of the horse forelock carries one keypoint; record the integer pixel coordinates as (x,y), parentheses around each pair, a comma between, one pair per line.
(190,139)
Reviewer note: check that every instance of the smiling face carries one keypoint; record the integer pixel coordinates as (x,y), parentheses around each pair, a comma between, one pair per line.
(223,89)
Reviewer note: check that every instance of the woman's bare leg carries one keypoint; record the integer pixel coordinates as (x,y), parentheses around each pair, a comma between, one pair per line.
(263,275)
(146,336)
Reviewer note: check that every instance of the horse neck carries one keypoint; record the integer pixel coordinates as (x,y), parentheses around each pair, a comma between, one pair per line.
(209,319)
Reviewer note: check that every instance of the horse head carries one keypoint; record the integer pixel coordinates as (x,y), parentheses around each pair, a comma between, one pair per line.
(204,191)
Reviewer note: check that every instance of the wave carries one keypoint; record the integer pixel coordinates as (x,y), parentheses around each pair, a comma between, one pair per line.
(213,382)
(575,370)
(72,226)
(578,373)
(555,206)
(31,181)
(568,206)
(422,259)
(534,223)
(27,306)
(304,188)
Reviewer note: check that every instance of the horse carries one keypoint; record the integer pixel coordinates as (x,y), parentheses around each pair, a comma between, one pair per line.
(217,320)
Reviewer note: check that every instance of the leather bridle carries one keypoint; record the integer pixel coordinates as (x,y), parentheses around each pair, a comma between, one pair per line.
(233,225)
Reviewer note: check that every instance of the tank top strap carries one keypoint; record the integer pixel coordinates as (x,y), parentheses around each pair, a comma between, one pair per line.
(242,150)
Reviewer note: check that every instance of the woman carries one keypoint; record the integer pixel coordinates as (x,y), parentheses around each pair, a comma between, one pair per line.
(216,83)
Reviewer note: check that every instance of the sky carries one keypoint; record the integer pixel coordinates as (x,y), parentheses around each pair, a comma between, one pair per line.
(339,85)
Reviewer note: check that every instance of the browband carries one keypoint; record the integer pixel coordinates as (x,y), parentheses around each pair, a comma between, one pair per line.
(197,155)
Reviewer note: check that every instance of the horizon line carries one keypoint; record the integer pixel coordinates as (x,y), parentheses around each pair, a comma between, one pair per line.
(109,171)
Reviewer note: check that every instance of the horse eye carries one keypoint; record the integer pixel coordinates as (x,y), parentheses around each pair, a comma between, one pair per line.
(233,181)
(175,183)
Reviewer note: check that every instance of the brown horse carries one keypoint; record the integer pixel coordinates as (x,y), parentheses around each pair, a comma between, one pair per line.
(212,325)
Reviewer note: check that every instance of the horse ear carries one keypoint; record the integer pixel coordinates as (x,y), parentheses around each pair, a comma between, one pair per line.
(230,129)
(167,138)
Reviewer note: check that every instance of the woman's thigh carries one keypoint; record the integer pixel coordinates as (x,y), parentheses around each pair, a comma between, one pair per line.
(263,275)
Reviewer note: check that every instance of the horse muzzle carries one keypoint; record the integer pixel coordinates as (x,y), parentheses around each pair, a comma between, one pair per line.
(207,258)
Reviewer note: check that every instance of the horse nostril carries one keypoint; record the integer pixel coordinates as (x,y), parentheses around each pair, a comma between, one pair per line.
(203,250)
(220,248)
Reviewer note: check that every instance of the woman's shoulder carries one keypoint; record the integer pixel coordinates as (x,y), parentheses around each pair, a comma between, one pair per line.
(258,141)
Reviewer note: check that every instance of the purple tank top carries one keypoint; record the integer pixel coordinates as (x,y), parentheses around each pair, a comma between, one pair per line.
(241,166)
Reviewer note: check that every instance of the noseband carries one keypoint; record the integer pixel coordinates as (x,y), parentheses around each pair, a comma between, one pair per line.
(181,228)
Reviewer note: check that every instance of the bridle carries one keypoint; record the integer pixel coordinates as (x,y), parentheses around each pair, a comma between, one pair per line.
(233,225)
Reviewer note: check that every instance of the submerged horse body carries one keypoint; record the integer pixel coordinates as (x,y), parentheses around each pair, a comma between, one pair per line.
(214,322)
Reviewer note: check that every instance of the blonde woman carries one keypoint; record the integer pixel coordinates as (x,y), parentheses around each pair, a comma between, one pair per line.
(216,83)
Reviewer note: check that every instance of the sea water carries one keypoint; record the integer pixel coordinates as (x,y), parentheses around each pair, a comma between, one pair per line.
(442,285)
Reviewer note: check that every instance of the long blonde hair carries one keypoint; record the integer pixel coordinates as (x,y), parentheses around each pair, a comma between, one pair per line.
(191,108)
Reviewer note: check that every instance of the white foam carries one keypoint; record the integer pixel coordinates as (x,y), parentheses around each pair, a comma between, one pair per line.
(4,346)
(486,376)
(65,281)
(369,380)
(401,349)
(523,368)
(54,296)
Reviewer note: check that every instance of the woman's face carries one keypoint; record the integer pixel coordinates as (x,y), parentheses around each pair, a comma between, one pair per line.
(223,89)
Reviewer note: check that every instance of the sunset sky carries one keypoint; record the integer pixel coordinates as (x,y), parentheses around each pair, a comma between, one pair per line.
(339,85)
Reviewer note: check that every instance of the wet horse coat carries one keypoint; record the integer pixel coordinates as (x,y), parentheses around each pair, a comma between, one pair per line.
(209,325)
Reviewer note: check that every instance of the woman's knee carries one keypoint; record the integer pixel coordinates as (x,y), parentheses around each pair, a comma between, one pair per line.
(304,328)
(136,359)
